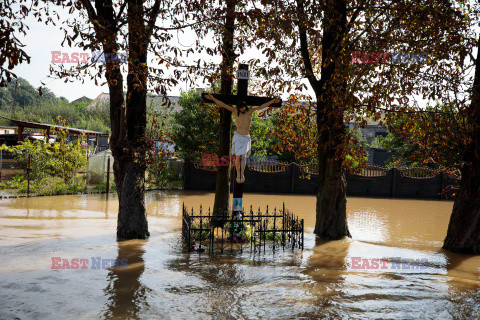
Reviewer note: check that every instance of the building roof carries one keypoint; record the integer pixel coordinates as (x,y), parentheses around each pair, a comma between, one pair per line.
(82,99)
(102,97)
(155,102)
(46,126)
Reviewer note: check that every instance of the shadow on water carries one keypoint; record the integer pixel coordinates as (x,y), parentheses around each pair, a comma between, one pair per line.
(126,295)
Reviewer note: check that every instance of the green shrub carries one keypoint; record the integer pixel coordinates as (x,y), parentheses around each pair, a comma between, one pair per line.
(102,187)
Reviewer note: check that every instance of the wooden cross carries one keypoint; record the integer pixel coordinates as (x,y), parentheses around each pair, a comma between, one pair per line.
(242,89)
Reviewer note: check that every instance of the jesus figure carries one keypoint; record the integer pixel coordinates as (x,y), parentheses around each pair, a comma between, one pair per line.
(241,142)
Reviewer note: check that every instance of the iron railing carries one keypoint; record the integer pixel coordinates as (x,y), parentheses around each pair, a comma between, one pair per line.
(254,232)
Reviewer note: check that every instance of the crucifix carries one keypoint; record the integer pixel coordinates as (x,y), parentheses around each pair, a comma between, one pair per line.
(241,140)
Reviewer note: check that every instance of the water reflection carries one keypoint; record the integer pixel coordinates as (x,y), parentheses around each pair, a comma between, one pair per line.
(233,285)
(126,294)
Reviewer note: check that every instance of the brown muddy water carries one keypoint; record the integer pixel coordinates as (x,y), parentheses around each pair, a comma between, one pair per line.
(161,282)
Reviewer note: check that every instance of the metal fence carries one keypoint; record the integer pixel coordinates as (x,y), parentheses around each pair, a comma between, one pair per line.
(9,166)
(253,232)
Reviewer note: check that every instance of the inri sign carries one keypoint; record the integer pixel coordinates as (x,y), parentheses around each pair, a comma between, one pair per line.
(243,74)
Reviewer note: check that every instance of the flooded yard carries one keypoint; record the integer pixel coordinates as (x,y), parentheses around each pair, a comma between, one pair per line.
(327,280)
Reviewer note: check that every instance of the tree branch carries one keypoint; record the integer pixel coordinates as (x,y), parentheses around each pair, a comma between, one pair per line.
(182,26)
(92,16)
(307,62)
(120,12)
(152,19)
(354,16)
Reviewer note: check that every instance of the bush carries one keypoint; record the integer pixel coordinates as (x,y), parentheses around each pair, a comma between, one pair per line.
(55,186)
(44,186)
(102,187)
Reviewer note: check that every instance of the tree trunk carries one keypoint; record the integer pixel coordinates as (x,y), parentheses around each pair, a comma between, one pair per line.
(128,123)
(128,142)
(463,234)
(132,218)
(222,188)
(331,208)
(331,217)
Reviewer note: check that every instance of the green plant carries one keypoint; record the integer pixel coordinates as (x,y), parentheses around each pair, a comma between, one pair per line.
(17,182)
(68,157)
(196,126)
(40,154)
(53,167)
(55,186)
(159,173)
(201,235)
(102,187)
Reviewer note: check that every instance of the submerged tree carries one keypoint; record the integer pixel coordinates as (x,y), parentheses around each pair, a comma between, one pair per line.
(222,187)
(349,52)
(463,233)
(110,28)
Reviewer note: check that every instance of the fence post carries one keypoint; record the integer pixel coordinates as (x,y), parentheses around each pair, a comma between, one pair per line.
(28,174)
(1,164)
(108,176)
(442,183)
(293,177)
(186,172)
(394,182)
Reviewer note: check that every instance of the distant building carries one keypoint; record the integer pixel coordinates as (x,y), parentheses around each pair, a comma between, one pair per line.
(8,135)
(376,156)
(371,131)
(8,130)
(156,102)
(46,132)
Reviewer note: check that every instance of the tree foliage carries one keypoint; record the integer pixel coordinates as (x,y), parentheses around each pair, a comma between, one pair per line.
(196,126)
(434,137)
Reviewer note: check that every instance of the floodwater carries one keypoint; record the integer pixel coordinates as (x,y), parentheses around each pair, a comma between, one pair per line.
(161,282)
